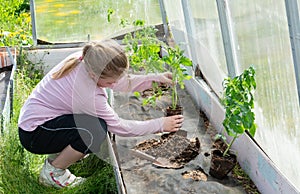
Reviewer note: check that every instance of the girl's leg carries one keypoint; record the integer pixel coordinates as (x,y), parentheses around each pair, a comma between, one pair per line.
(67,157)
(71,135)
(82,132)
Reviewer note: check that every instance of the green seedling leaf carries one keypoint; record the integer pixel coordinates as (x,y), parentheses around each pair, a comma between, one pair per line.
(220,136)
(109,13)
(137,94)
(124,23)
(139,23)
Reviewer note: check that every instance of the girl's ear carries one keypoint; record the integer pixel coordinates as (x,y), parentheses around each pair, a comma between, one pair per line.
(92,75)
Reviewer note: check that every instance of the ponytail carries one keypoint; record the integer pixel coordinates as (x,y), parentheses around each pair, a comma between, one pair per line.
(69,65)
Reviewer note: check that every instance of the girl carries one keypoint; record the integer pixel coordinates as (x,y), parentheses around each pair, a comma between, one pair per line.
(68,112)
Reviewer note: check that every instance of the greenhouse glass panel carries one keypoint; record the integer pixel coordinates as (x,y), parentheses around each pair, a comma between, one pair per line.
(176,23)
(59,21)
(209,43)
(262,39)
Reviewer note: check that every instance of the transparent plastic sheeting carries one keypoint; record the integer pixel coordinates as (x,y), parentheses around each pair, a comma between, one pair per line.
(204,45)
(208,43)
(60,21)
(261,38)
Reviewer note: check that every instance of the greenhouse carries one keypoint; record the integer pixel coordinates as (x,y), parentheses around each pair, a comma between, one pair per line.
(236,75)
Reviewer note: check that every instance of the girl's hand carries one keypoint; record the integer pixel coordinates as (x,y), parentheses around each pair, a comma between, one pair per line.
(166,78)
(172,123)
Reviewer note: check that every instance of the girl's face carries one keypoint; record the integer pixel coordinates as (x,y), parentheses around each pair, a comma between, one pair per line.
(107,82)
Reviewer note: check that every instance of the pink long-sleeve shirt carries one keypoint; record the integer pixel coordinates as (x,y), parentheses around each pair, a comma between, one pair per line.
(77,93)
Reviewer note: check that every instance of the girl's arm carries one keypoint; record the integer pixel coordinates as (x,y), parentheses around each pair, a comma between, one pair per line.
(131,83)
(123,127)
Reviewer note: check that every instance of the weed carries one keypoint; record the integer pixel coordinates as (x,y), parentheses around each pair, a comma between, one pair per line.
(15,20)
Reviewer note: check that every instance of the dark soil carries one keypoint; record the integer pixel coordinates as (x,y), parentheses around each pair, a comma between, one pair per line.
(221,165)
(177,111)
(175,147)
(238,172)
(152,91)
(219,145)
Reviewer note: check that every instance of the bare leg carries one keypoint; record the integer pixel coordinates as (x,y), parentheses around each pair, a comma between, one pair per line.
(67,157)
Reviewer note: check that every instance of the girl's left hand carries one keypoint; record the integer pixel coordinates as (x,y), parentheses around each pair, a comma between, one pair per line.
(172,123)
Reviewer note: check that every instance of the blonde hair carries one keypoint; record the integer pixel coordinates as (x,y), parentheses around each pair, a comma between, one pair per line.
(104,59)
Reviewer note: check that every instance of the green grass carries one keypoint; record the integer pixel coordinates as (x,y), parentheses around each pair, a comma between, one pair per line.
(239,174)
(15,25)
(20,170)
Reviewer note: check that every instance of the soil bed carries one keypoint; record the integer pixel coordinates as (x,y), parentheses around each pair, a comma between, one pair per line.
(174,147)
(191,149)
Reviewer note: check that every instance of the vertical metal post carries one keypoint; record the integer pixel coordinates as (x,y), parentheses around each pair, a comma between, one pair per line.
(227,35)
(294,30)
(33,22)
(164,17)
(11,85)
(190,28)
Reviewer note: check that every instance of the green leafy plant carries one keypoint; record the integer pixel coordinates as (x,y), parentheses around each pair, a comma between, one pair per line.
(238,101)
(177,63)
(143,48)
(144,52)
(141,45)
(15,20)
(157,93)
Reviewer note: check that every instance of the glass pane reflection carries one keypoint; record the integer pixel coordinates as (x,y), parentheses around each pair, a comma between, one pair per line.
(60,21)
(209,43)
(262,36)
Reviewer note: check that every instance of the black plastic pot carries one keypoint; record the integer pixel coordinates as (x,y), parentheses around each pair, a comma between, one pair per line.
(221,165)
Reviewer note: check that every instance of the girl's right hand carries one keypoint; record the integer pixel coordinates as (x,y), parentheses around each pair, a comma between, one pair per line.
(172,123)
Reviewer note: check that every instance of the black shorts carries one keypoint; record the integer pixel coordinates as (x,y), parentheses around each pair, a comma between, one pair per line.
(82,132)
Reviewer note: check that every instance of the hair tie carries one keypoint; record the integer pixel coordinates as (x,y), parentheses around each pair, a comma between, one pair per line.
(80,58)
